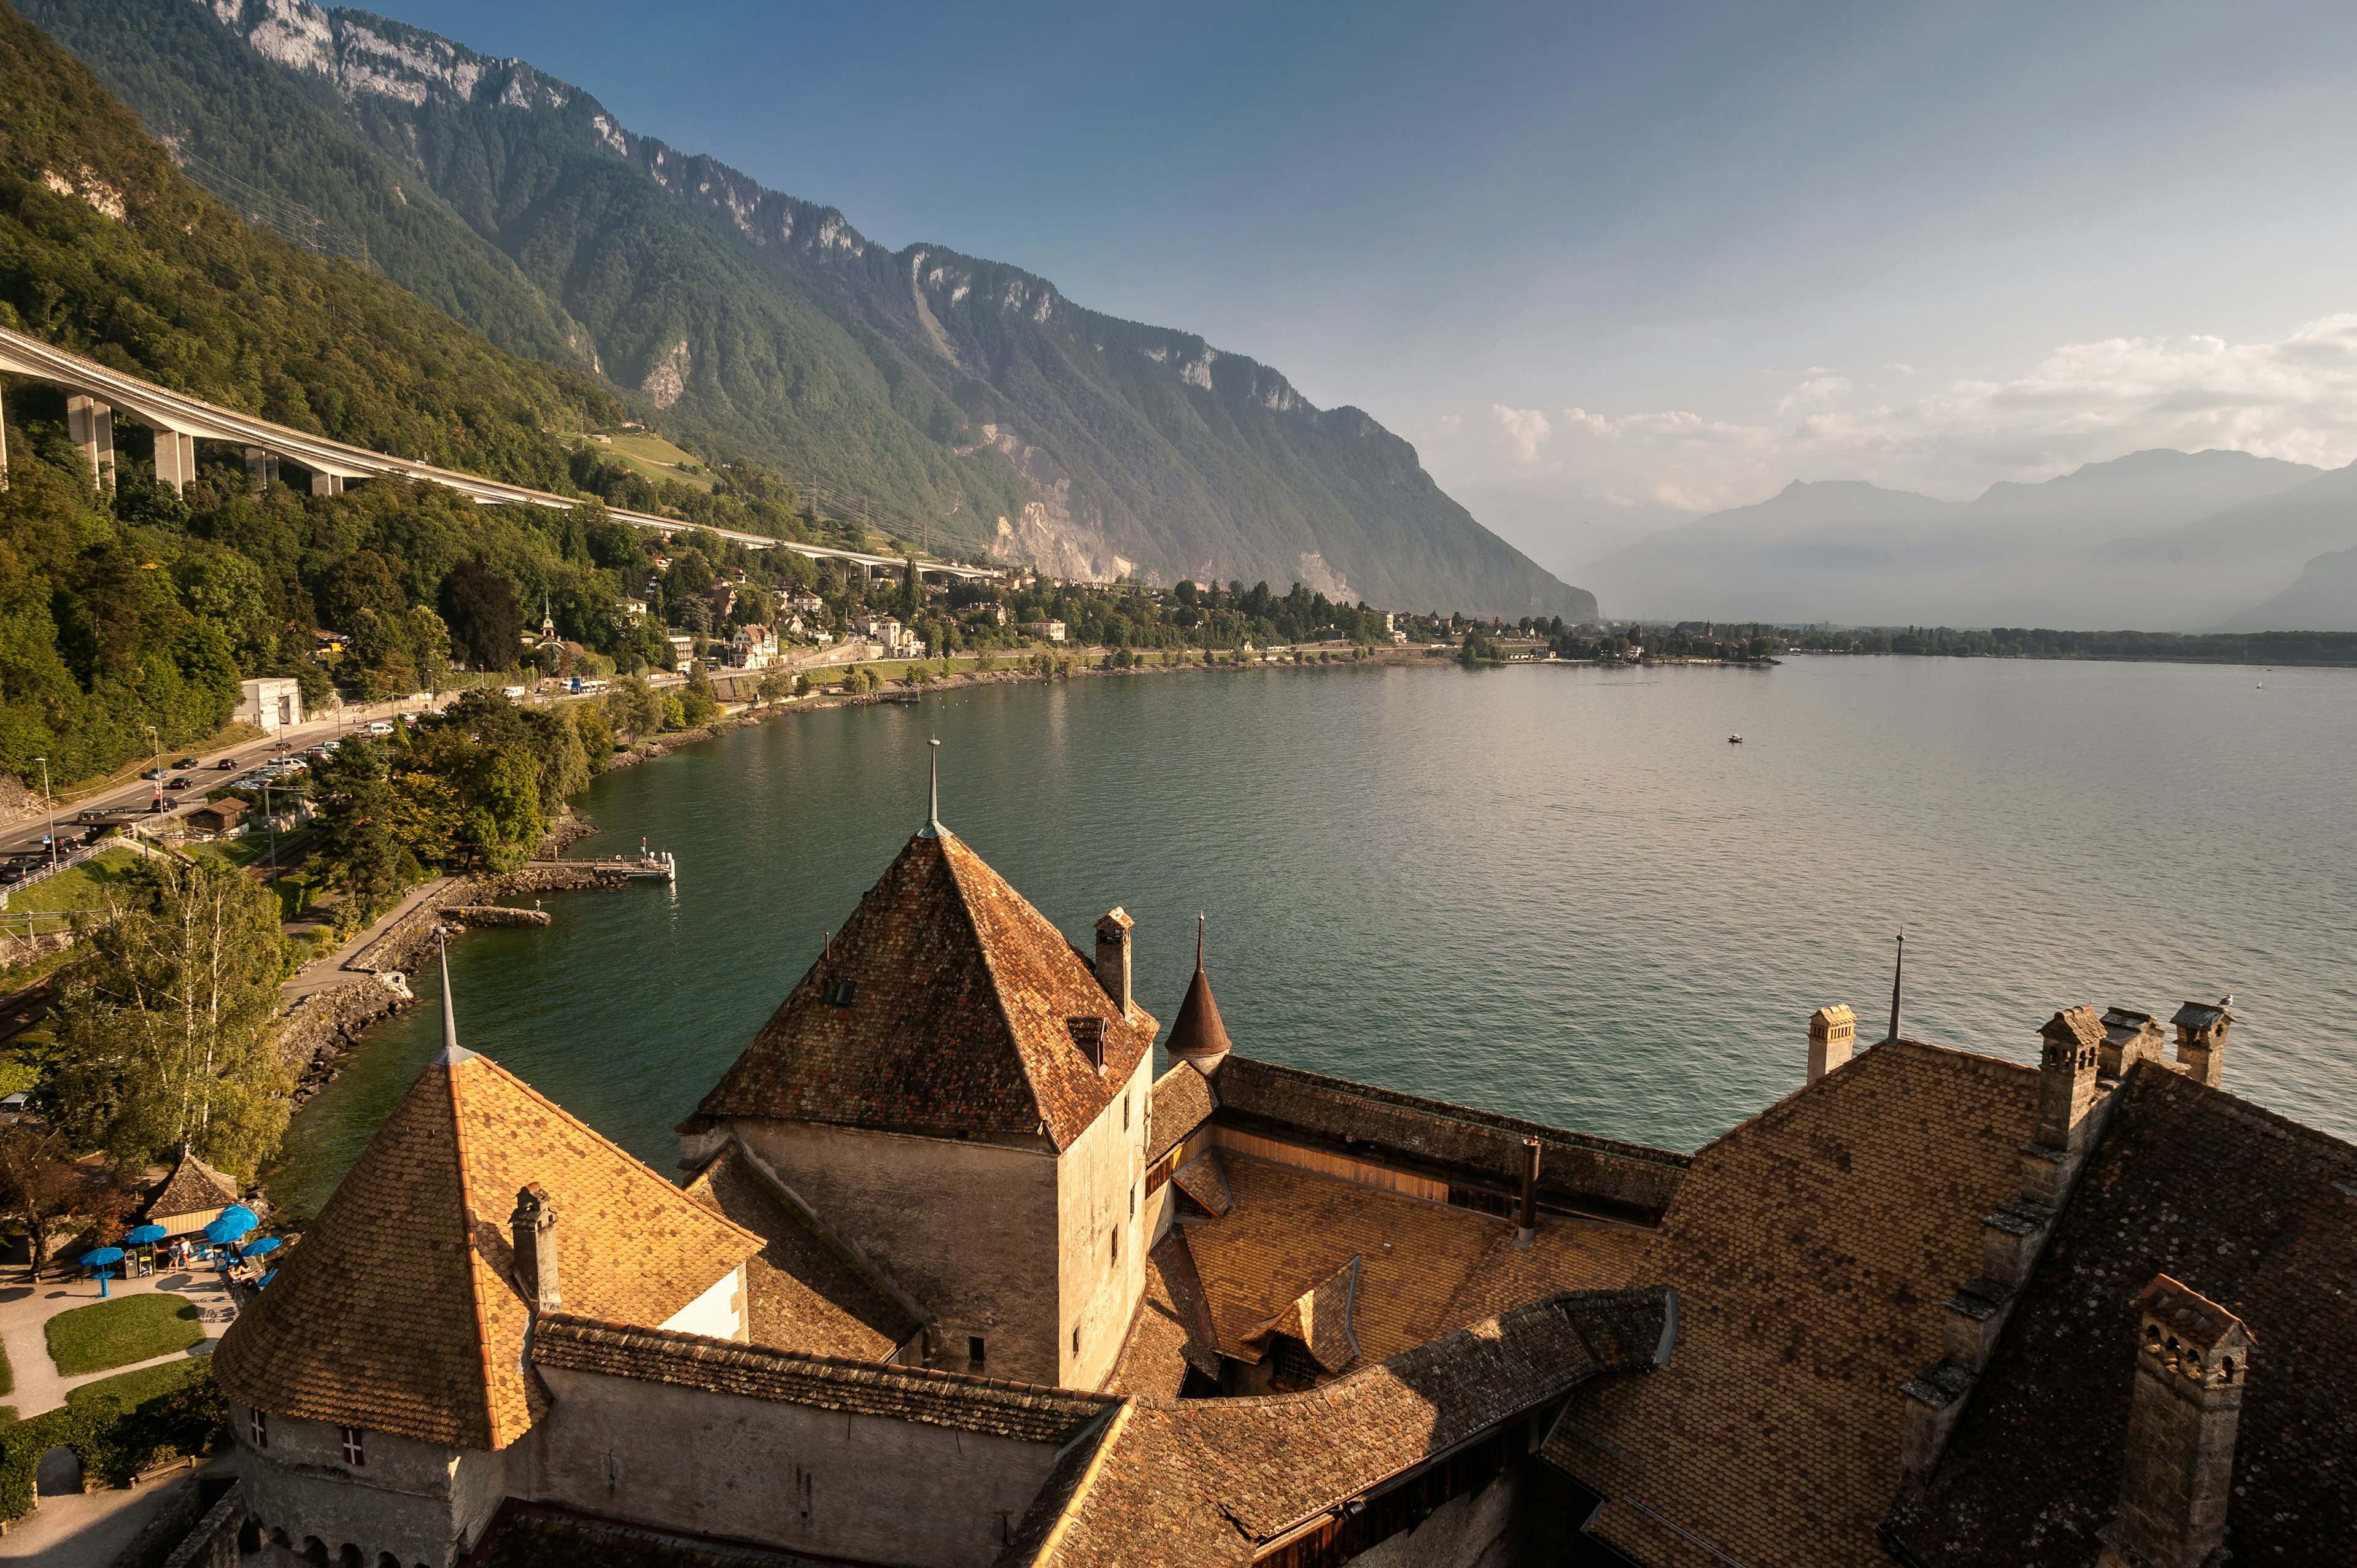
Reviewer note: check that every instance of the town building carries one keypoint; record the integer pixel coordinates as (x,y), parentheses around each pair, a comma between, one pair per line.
(894,639)
(221,816)
(955,1278)
(271,704)
(682,650)
(752,647)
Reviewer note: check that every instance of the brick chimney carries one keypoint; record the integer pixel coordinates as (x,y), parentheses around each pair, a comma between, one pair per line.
(1113,957)
(2192,1357)
(2202,1040)
(533,1226)
(1833,1031)
(2067,1063)
(2129,1038)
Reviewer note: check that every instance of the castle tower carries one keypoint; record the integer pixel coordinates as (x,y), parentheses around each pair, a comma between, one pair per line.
(1197,1037)
(959,1094)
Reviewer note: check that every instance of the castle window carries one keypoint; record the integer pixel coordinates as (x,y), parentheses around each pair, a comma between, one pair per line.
(355,1450)
(257,1428)
(974,1357)
(1076,1341)
(1132,1200)
(1125,1112)
(844,991)
(1116,1244)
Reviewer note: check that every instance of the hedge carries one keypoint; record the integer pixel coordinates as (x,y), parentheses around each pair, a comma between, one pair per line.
(116,1427)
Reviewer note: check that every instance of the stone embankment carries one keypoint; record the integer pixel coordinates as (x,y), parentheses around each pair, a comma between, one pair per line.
(495,915)
(324,1025)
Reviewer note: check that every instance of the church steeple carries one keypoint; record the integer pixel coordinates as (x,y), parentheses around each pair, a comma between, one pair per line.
(1198,1036)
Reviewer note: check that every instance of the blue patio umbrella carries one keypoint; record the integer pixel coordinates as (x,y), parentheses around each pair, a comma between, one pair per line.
(258,1249)
(99,1258)
(145,1235)
(240,1211)
(265,1279)
(229,1228)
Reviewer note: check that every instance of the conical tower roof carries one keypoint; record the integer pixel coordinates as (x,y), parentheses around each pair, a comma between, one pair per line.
(946,1004)
(399,1311)
(1198,1036)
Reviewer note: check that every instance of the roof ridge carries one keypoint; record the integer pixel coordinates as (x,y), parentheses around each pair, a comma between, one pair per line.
(1773,1113)
(573,1325)
(997,988)
(477,1264)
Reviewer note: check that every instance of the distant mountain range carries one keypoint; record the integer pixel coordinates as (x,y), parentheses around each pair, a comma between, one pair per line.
(967,403)
(2157,541)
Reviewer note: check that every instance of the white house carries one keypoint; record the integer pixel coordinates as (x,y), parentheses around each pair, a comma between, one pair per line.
(753,647)
(1053,631)
(273,704)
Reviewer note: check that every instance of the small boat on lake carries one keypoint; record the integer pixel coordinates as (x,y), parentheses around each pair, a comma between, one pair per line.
(1735,741)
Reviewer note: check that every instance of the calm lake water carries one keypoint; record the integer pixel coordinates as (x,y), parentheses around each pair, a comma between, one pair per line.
(1557,892)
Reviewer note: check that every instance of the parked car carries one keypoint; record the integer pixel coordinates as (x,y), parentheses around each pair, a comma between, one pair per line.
(378,726)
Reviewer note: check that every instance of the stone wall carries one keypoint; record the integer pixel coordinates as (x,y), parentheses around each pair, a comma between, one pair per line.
(325,1024)
(420,1502)
(967,1230)
(1101,1193)
(829,1482)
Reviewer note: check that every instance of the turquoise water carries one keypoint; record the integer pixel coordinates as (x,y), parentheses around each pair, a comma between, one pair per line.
(1559,893)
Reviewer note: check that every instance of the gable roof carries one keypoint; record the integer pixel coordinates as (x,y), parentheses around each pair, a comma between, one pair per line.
(1186,1482)
(1810,1248)
(958,1016)
(195,1188)
(398,1311)
(2254,1211)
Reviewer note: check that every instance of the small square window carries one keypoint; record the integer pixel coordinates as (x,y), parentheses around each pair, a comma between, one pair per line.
(974,1356)
(842,992)
(355,1452)
(257,1427)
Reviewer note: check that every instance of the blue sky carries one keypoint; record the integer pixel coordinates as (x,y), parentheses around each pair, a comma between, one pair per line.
(1608,267)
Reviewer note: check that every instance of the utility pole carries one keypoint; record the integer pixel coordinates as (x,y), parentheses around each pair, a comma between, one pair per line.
(52,805)
(272,820)
(156,765)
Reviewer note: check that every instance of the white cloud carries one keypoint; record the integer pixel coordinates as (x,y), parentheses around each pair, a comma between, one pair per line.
(2294,398)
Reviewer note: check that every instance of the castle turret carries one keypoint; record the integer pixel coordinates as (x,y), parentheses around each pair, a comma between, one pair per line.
(1198,1036)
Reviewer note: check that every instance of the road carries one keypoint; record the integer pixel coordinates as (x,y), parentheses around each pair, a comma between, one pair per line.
(137,795)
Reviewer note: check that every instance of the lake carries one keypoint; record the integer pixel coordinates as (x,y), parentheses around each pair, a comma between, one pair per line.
(1555,891)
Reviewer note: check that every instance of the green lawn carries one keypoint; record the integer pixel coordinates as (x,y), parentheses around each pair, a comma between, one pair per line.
(134,1388)
(117,1333)
(79,886)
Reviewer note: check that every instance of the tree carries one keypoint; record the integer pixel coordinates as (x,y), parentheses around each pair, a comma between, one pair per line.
(478,606)
(165,1041)
(699,705)
(595,732)
(429,648)
(39,1182)
(355,831)
(773,685)
(364,580)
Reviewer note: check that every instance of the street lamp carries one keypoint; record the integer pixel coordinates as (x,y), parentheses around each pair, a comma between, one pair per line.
(155,760)
(52,806)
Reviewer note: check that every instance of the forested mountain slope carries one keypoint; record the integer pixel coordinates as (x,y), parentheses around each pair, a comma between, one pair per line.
(968,401)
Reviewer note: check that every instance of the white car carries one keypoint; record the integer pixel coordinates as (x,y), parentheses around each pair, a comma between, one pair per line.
(512,694)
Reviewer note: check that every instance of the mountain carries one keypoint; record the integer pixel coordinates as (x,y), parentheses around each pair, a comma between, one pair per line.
(966,403)
(2089,548)
(2323,598)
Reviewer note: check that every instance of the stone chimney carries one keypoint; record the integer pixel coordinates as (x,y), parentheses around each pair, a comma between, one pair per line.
(2202,1040)
(533,1226)
(2129,1038)
(2072,1051)
(1833,1032)
(2192,1357)
(1113,958)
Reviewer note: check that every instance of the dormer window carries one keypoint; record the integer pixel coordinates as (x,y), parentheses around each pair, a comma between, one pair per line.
(840,993)
(1088,1035)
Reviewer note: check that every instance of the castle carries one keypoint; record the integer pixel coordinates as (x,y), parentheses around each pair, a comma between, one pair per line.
(955,1279)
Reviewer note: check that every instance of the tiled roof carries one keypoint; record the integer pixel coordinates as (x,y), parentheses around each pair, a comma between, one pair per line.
(399,1313)
(195,1188)
(2254,1212)
(1427,1269)
(1577,1171)
(1155,1360)
(1195,1482)
(1024,1412)
(1810,1248)
(2077,1025)
(1198,1031)
(805,1290)
(958,1016)
(2200,1015)
(1319,1317)
(1183,1100)
(1202,1179)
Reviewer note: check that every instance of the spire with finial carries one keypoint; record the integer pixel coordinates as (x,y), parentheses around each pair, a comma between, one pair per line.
(453,1053)
(1198,1036)
(932,828)
(1897,970)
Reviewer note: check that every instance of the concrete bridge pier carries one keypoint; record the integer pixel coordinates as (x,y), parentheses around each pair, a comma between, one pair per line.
(261,468)
(4,448)
(176,458)
(327,484)
(90,424)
